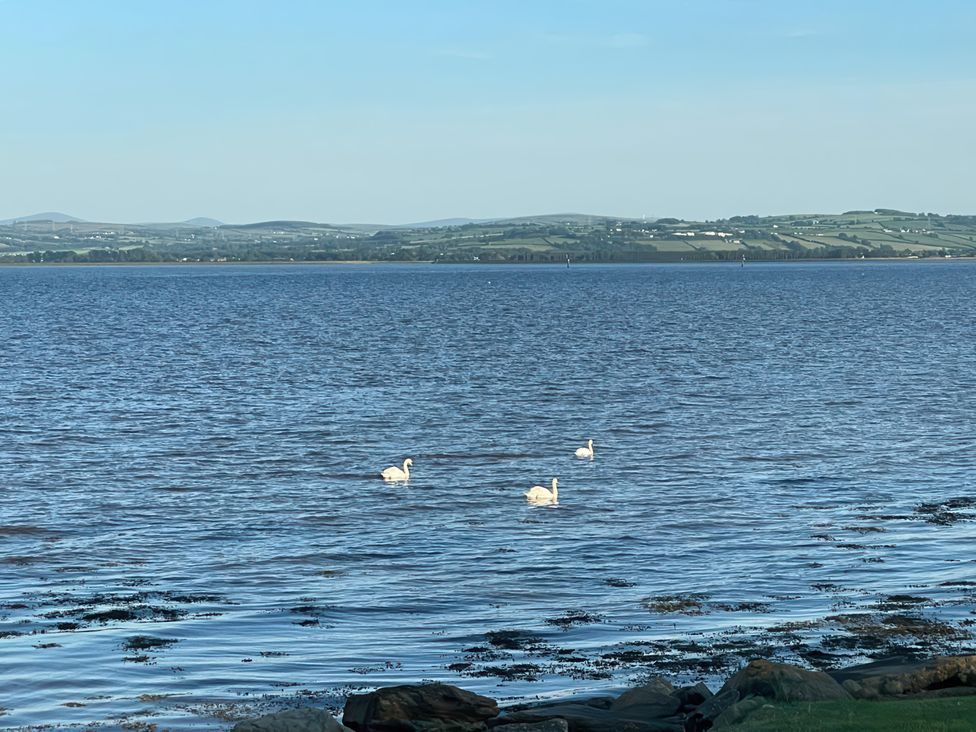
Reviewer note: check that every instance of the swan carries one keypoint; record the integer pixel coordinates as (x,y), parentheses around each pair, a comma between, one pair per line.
(543,496)
(394,473)
(585,452)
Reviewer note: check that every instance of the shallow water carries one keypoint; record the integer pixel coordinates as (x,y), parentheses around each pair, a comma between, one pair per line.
(190,453)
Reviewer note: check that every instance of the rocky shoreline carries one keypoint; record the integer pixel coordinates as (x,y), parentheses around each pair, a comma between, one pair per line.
(656,706)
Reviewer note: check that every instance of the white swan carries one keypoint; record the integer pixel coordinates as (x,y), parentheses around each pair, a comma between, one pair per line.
(394,473)
(543,496)
(585,452)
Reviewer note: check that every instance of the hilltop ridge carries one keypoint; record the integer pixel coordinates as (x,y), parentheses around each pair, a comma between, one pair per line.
(574,237)
(49,216)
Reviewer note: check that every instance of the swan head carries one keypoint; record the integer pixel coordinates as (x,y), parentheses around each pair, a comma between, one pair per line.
(408,462)
(555,482)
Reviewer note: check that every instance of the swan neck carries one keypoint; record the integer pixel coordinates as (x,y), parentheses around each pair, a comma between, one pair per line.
(406,469)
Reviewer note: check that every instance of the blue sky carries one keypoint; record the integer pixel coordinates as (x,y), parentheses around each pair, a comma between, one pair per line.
(394,111)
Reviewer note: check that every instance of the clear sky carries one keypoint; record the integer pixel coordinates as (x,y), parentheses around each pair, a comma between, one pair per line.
(393,111)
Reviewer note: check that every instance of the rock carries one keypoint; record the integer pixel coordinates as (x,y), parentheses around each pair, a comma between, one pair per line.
(292,720)
(647,708)
(704,716)
(692,696)
(411,707)
(948,691)
(550,725)
(752,686)
(585,718)
(853,688)
(738,712)
(651,701)
(782,682)
(654,683)
(901,675)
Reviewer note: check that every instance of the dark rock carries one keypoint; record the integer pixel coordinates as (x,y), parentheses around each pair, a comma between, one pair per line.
(692,696)
(550,725)
(654,683)
(734,714)
(782,682)
(292,720)
(147,642)
(106,616)
(597,702)
(654,700)
(948,691)
(584,718)
(711,709)
(511,639)
(441,725)
(410,707)
(900,675)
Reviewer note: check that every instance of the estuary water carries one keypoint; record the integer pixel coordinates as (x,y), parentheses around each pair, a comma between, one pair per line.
(193,529)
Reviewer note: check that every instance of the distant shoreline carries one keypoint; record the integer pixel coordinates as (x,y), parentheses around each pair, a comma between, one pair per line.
(346,262)
(877,234)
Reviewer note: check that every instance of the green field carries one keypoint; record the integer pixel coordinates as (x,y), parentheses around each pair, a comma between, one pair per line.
(579,238)
(953,714)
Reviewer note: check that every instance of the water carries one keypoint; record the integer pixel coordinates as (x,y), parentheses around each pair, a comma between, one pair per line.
(190,454)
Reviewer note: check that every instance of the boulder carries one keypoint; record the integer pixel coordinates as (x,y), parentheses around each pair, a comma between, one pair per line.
(691,697)
(703,718)
(648,708)
(782,682)
(654,683)
(585,718)
(292,720)
(654,700)
(736,713)
(411,707)
(901,675)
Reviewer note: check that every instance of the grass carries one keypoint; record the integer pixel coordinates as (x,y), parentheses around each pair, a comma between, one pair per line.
(714,245)
(953,714)
(666,245)
(805,243)
(532,245)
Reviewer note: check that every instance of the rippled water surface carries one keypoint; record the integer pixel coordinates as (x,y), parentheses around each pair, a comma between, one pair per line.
(191,518)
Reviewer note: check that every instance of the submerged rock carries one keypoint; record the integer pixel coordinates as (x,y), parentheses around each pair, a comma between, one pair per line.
(411,707)
(293,720)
